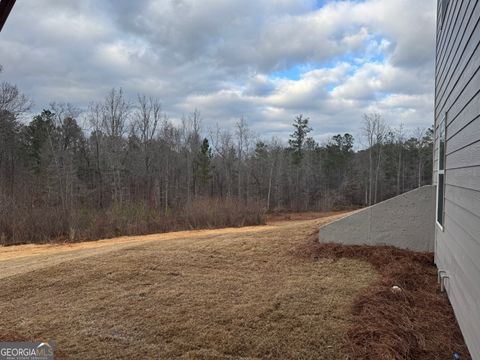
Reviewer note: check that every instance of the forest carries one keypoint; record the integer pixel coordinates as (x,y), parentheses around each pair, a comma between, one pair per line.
(123,167)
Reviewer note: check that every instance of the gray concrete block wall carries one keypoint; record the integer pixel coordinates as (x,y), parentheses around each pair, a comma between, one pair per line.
(406,221)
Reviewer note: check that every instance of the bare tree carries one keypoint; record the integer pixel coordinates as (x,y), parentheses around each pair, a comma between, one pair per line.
(223,146)
(399,133)
(374,130)
(115,113)
(94,119)
(64,111)
(170,136)
(12,100)
(420,134)
(67,133)
(149,113)
(242,135)
(368,132)
(194,143)
(146,118)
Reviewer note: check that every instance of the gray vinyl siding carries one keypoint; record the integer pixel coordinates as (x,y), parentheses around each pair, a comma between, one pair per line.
(457,96)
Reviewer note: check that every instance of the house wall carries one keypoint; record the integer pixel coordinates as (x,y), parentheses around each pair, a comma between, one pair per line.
(457,96)
(405,221)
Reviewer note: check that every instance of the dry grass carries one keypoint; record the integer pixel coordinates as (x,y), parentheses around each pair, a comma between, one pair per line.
(238,295)
(305,215)
(414,323)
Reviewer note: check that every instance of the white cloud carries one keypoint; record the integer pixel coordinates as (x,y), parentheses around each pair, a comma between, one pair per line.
(219,56)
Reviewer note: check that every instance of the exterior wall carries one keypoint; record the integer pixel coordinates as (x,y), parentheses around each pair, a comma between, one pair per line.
(457,96)
(405,221)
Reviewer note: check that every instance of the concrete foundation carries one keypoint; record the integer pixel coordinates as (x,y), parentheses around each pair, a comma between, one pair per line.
(406,221)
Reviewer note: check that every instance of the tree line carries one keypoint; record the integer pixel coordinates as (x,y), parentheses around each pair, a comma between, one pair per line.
(126,168)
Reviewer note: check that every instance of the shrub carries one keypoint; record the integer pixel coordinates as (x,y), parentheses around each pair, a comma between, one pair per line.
(20,223)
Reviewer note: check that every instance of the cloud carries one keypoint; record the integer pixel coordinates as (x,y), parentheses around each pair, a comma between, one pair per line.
(266,60)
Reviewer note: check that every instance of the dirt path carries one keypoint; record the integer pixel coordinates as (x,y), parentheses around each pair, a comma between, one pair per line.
(21,259)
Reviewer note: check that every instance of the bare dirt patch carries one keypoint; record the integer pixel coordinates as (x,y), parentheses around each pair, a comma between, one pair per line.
(219,295)
(24,258)
(275,217)
(414,323)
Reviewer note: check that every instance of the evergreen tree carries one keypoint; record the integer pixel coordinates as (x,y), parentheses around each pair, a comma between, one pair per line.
(38,138)
(203,162)
(298,138)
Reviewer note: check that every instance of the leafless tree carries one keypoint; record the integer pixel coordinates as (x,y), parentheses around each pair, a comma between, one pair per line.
(115,113)
(399,133)
(374,130)
(420,134)
(135,168)
(149,113)
(242,134)
(12,100)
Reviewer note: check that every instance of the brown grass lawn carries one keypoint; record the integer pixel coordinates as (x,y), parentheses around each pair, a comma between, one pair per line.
(220,294)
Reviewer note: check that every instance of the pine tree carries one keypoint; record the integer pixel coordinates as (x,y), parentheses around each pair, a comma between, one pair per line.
(298,138)
(203,162)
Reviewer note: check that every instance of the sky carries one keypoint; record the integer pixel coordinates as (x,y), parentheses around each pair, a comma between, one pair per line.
(264,60)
